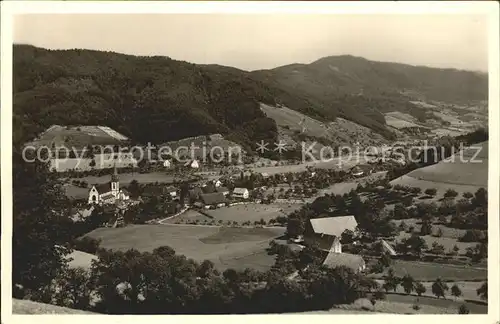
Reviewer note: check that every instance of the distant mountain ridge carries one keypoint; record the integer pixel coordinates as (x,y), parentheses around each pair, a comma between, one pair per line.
(157,99)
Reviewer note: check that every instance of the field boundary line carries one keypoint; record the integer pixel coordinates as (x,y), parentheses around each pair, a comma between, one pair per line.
(182,211)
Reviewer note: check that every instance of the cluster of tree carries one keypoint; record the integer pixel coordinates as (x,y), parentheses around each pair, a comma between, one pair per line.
(148,99)
(81,184)
(162,282)
(470,212)
(439,288)
(477,136)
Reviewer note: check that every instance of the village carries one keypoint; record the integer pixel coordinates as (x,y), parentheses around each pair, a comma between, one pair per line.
(206,173)
(264,202)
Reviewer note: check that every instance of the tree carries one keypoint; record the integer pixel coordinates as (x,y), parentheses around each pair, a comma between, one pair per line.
(482,291)
(437,249)
(420,288)
(295,227)
(377,295)
(347,237)
(41,226)
(450,193)
(439,232)
(431,192)
(385,260)
(75,288)
(467,195)
(481,198)
(426,228)
(134,189)
(391,281)
(463,310)
(415,244)
(455,291)
(408,283)
(403,227)
(439,288)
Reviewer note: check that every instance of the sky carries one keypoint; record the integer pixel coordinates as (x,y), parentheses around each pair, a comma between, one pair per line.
(260,41)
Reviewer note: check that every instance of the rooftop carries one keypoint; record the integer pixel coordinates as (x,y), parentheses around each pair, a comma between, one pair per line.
(352,261)
(213,198)
(334,226)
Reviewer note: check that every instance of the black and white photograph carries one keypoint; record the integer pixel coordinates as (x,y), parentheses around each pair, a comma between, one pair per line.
(327,161)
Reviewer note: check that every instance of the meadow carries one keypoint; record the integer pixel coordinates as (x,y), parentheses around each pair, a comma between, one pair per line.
(425,271)
(252,212)
(226,247)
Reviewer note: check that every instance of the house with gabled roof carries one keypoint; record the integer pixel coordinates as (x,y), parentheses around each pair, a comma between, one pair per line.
(213,200)
(241,193)
(326,232)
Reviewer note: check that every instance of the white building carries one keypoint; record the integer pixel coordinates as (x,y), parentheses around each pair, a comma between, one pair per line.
(241,193)
(192,164)
(167,163)
(108,193)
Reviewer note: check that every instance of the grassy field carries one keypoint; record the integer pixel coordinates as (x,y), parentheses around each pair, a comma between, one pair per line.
(448,232)
(363,306)
(188,216)
(126,178)
(75,192)
(441,187)
(28,307)
(345,187)
(398,122)
(447,242)
(460,172)
(81,259)
(226,247)
(424,271)
(403,304)
(251,212)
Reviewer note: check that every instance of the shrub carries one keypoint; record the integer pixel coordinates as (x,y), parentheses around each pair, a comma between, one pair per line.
(467,195)
(439,233)
(426,228)
(403,227)
(87,244)
(450,193)
(431,192)
(463,310)
(472,236)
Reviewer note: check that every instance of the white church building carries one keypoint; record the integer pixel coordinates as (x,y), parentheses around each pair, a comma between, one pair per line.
(108,193)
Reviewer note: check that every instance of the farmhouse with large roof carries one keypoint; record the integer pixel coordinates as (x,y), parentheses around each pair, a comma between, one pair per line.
(326,232)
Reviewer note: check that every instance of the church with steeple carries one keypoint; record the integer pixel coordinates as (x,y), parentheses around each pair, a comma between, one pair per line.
(108,193)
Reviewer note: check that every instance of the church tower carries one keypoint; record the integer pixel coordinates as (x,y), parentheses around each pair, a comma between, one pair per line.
(115,184)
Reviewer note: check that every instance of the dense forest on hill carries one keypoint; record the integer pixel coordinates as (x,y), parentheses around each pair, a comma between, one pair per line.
(348,74)
(149,99)
(157,99)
